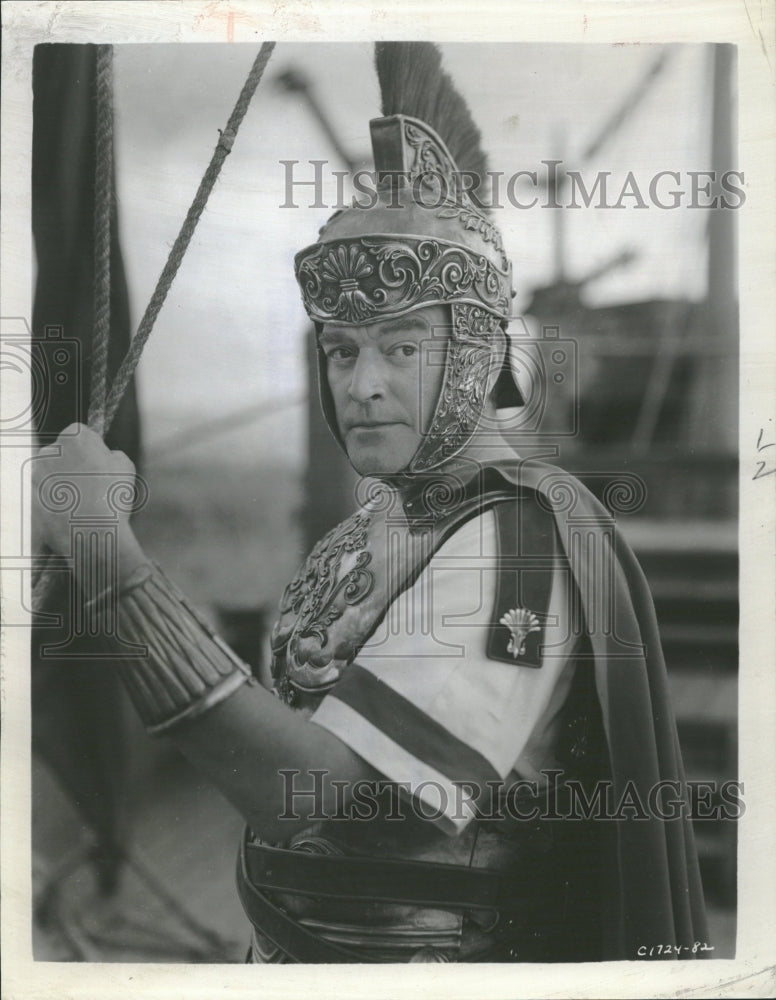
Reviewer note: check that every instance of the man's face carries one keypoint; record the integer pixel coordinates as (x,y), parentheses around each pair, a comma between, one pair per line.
(385,380)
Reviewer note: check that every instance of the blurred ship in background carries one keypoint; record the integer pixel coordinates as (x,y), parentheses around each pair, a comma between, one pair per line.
(658,399)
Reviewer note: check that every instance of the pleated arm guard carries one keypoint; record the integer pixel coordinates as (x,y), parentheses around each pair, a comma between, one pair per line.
(182,668)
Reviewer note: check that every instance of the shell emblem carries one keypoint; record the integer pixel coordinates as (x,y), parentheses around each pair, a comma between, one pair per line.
(520,623)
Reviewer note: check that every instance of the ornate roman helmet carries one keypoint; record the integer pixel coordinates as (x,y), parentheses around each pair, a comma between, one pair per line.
(422,240)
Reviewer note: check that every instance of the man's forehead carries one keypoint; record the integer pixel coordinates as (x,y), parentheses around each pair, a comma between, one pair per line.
(426,321)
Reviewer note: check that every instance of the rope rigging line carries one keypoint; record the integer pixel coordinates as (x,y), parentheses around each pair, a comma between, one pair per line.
(103,197)
(222,150)
(103,404)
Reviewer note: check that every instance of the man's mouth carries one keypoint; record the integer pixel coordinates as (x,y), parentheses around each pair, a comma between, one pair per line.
(371,425)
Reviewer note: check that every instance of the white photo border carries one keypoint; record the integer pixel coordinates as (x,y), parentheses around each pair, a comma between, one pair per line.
(751,28)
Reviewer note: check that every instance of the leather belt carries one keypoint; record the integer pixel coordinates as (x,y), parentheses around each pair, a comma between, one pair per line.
(262,869)
(298,943)
(418,883)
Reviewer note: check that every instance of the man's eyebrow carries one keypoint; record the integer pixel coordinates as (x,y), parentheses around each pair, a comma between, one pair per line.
(403,323)
(335,335)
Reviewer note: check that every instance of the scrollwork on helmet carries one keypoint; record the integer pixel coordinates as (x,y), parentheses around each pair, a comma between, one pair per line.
(430,155)
(460,402)
(465,386)
(359,278)
(473,322)
(346,266)
(471,219)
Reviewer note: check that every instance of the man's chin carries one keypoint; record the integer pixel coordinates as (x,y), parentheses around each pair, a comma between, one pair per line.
(382,452)
(365,467)
(375,463)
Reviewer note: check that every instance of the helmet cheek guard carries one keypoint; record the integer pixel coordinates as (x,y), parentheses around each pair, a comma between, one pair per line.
(424,243)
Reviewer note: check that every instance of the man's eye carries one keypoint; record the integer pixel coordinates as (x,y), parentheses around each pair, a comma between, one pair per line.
(339,354)
(406,350)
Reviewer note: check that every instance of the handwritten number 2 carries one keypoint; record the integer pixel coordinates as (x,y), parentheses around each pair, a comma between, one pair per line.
(762,471)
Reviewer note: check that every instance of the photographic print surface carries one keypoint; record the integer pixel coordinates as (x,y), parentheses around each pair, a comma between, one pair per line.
(415,539)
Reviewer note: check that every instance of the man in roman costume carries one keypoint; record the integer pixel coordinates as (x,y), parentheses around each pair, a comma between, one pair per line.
(455,666)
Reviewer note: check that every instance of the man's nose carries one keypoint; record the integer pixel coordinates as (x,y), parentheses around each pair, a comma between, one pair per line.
(367,381)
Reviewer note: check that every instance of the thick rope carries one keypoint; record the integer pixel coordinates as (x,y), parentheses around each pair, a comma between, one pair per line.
(180,246)
(103,197)
(43,582)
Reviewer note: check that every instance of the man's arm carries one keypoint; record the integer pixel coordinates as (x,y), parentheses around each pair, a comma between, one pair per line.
(243,742)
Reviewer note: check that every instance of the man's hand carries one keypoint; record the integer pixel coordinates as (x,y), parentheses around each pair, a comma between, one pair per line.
(80,479)
(243,744)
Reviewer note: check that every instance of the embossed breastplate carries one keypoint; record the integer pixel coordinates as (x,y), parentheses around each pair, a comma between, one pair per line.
(341,593)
